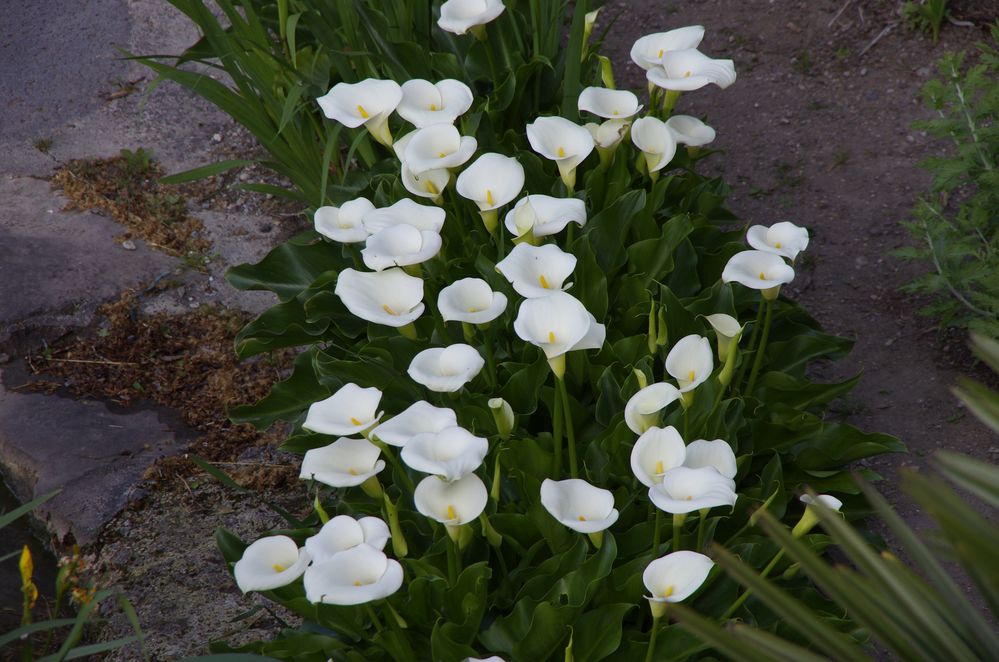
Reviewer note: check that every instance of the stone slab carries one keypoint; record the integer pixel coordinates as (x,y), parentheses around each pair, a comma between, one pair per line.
(57,265)
(95,456)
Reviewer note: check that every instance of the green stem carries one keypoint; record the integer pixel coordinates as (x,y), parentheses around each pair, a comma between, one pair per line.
(557,433)
(651,651)
(700,529)
(686,423)
(569,429)
(394,461)
(373,616)
(452,561)
(752,344)
(490,358)
(657,534)
(678,520)
(748,592)
(758,361)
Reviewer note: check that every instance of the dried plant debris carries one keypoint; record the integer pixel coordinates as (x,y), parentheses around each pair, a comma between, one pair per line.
(127,188)
(185,362)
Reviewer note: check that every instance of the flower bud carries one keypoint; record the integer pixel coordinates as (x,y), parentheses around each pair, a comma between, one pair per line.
(606,72)
(503,416)
(588,20)
(640,377)
(494,537)
(399,546)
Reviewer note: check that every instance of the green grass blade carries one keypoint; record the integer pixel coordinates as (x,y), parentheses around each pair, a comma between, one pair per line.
(721,639)
(20,511)
(205,171)
(40,626)
(972,475)
(776,648)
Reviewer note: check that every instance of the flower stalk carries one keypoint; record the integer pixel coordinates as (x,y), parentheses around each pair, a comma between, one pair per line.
(758,361)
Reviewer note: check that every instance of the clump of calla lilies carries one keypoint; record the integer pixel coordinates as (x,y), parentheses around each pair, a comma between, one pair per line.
(449,456)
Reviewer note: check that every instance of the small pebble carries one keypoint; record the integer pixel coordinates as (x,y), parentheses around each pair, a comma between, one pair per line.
(128,245)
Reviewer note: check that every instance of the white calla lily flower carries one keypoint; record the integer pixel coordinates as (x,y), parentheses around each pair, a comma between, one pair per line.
(344,463)
(557,324)
(578,505)
(446,369)
(470,300)
(429,184)
(405,212)
(537,271)
(690,362)
(460,16)
(355,576)
(491,181)
(758,270)
(648,51)
(657,451)
(424,103)
(684,490)
(450,454)
(675,577)
(437,147)
(270,563)
(368,102)
(727,330)
(609,104)
(544,215)
(717,454)
(400,246)
(690,69)
(810,518)
(391,297)
(419,417)
(656,140)
(344,223)
(784,238)
(642,410)
(608,134)
(351,410)
(451,503)
(343,532)
(562,141)
(690,131)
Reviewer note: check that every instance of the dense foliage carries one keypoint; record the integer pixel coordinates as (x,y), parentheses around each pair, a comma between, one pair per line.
(658,268)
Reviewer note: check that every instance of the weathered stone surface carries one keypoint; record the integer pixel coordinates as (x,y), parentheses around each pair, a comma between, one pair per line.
(95,456)
(58,266)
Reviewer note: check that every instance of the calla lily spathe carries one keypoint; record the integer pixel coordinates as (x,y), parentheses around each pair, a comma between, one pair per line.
(405,212)
(690,362)
(562,141)
(690,131)
(368,102)
(690,69)
(450,454)
(419,417)
(656,140)
(657,451)
(344,223)
(578,505)
(784,239)
(727,329)
(344,463)
(557,324)
(810,518)
(827,500)
(684,490)
(537,271)
(460,16)
(544,215)
(607,103)
(399,246)
(717,454)
(648,51)
(391,297)
(642,410)
(429,184)
(424,103)
(607,135)
(675,577)
(470,300)
(491,181)
(758,270)
(270,563)
(343,532)
(437,147)
(355,576)
(351,410)
(446,369)
(451,503)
